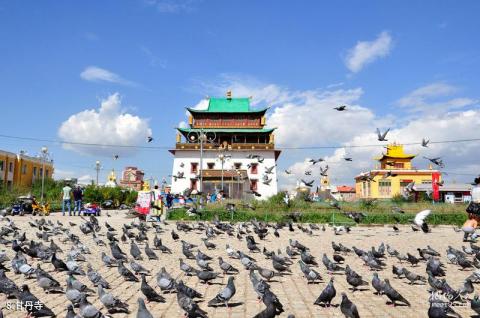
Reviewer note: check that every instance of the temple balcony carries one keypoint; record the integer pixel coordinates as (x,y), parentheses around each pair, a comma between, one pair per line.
(230,147)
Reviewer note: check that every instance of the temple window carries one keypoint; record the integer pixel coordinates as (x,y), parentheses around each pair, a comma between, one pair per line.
(193,184)
(193,167)
(384,188)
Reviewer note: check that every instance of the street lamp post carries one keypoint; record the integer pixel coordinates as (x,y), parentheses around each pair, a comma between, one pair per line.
(223,157)
(97,168)
(44,158)
(202,137)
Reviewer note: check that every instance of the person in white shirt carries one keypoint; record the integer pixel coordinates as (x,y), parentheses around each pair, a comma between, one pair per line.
(66,199)
(476,191)
(157,204)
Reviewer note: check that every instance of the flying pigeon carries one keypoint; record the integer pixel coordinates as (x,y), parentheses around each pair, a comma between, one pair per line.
(425,142)
(382,137)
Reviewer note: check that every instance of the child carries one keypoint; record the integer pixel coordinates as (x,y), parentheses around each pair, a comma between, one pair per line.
(469,227)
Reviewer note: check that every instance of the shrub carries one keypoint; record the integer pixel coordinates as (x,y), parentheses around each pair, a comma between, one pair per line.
(368,204)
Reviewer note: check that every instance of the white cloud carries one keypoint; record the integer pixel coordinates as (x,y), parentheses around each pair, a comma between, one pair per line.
(85,179)
(245,86)
(172,6)
(60,174)
(97,74)
(458,157)
(365,52)
(426,98)
(306,118)
(107,125)
(182,124)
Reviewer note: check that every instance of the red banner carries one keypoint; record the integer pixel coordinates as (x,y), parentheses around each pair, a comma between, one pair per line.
(435,186)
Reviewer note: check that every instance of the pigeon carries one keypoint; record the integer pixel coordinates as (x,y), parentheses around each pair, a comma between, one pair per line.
(135,251)
(437,161)
(475,304)
(225,294)
(338,258)
(187,269)
(310,274)
(70,312)
(467,287)
(206,276)
(308,183)
(392,294)
(265,273)
(226,267)
(412,277)
(125,273)
(175,236)
(108,261)
(73,266)
(382,136)
(150,253)
(96,278)
(340,108)
(377,284)
(149,292)
(280,267)
(419,220)
(190,292)
(142,311)
(190,307)
(72,294)
(269,299)
(412,259)
(348,308)
(425,142)
(58,264)
(117,253)
(327,294)
(165,281)
(137,268)
(25,296)
(441,309)
(47,284)
(112,303)
(354,280)
(78,285)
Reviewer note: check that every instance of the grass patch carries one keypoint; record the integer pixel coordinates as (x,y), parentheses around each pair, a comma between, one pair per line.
(319,217)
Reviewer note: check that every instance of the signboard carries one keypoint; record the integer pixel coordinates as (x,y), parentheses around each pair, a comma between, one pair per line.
(143,202)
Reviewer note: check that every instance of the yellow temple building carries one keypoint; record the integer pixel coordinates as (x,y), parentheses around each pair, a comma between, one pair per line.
(393,172)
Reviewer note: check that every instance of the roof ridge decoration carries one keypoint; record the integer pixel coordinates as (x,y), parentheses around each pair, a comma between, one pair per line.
(228,104)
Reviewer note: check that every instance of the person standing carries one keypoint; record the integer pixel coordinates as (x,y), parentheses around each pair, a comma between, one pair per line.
(473,210)
(77,198)
(157,203)
(169,200)
(66,199)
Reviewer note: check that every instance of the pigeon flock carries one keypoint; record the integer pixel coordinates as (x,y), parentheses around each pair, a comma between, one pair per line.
(119,267)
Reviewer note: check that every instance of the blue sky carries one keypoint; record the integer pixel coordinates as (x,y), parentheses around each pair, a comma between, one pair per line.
(404,65)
